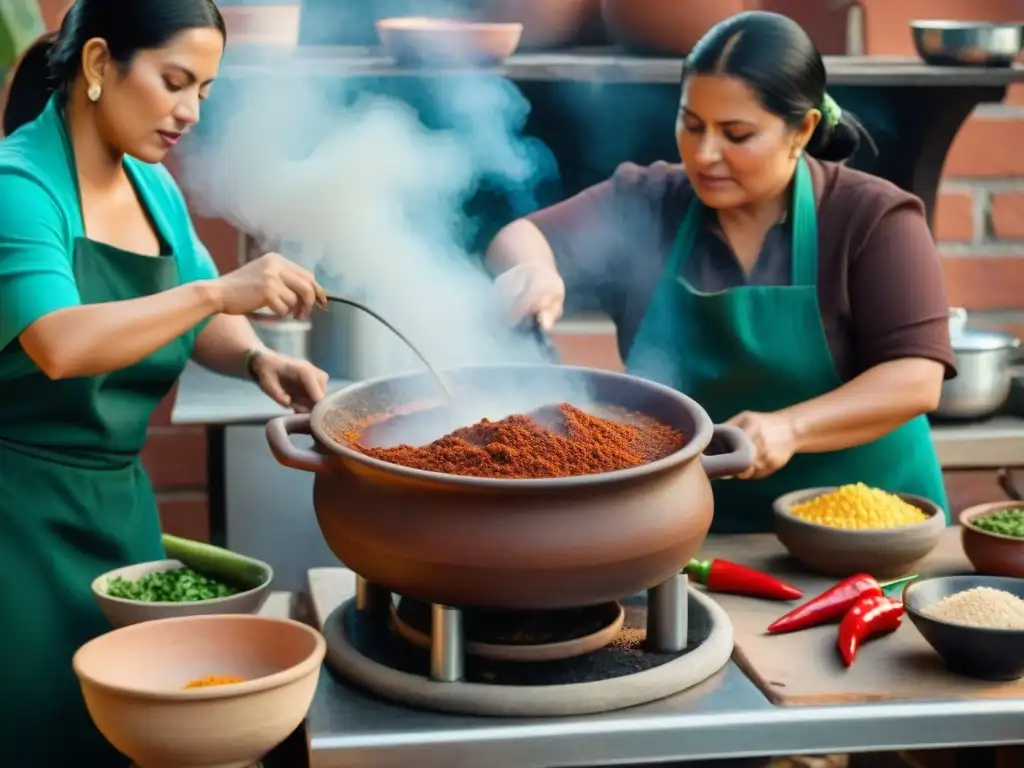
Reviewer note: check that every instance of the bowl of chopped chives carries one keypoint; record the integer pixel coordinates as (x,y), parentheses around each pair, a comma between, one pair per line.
(993,538)
(196,580)
(840,531)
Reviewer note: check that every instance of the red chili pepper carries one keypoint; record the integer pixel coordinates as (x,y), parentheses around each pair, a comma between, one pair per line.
(870,617)
(735,579)
(832,604)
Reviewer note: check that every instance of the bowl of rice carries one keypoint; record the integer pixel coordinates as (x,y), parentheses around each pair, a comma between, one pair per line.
(974,622)
(849,529)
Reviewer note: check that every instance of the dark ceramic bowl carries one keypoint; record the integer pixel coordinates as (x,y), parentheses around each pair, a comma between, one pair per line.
(985,654)
(886,553)
(991,553)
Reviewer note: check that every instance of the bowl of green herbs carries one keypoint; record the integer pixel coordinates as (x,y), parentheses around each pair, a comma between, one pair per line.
(993,537)
(197,579)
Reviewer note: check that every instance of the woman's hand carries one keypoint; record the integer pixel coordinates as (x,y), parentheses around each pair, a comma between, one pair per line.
(293,383)
(531,290)
(774,439)
(270,281)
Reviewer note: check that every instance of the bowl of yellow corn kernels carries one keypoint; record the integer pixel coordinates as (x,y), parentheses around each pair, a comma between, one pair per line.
(840,531)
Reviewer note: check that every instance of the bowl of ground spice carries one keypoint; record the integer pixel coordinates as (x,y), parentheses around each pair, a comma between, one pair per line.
(200,690)
(533,488)
(993,537)
(974,622)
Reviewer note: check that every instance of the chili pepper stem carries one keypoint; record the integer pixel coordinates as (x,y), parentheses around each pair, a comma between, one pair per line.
(900,582)
(698,570)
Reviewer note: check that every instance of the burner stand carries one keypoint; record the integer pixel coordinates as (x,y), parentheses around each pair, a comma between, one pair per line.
(667,613)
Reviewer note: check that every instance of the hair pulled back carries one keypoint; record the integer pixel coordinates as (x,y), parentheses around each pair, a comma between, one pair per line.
(776,57)
(127,26)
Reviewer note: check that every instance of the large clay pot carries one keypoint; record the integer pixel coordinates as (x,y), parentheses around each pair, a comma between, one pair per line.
(501,543)
(547,23)
(666,27)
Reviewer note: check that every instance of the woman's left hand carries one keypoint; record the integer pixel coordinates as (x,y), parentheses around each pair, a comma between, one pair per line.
(293,383)
(774,439)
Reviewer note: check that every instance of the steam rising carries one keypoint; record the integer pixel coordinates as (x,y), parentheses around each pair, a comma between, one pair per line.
(356,187)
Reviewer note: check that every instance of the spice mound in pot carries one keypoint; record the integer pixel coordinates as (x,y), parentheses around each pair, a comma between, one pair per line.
(554,441)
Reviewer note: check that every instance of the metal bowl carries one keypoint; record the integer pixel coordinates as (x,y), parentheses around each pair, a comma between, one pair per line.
(967,43)
(983,360)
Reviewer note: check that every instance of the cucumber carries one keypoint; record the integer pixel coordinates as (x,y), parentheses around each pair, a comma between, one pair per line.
(229,567)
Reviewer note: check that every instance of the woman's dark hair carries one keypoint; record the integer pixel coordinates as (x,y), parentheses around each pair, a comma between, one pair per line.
(775,56)
(128,26)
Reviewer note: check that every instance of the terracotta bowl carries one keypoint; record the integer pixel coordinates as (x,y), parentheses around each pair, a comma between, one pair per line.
(133,680)
(419,41)
(830,551)
(121,612)
(991,553)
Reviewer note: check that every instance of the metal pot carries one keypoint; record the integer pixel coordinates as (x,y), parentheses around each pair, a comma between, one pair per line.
(287,336)
(501,543)
(983,361)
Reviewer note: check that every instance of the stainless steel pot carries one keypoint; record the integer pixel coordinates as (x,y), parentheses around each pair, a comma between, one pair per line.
(968,43)
(503,543)
(287,336)
(983,361)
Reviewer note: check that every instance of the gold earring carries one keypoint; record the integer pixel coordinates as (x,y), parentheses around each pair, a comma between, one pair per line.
(94,92)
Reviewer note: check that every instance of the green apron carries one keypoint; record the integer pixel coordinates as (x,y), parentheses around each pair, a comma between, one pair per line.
(763,348)
(75,502)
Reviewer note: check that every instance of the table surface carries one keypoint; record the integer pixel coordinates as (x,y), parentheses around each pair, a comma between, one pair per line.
(211,399)
(600,64)
(725,717)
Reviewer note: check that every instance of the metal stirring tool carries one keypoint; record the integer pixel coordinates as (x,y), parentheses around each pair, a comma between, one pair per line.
(423,359)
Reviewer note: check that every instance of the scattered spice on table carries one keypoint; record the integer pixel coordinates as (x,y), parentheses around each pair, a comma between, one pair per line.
(859,507)
(870,617)
(554,441)
(178,586)
(832,604)
(982,607)
(213,680)
(1006,522)
(735,579)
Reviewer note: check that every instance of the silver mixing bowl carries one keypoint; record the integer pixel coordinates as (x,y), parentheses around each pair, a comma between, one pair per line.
(968,43)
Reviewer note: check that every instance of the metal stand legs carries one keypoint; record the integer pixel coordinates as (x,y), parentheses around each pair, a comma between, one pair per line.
(667,615)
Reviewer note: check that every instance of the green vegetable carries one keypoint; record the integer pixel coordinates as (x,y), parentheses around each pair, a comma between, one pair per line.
(180,586)
(1007,522)
(217,562)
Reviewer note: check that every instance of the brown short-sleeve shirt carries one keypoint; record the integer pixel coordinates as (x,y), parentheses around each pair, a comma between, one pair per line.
(881,291)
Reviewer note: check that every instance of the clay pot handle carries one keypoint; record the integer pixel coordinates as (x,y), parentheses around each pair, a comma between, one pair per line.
(279,433)
(739,458)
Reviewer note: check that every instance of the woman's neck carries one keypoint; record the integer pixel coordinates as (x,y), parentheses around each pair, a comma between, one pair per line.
(99,165)
(760,216)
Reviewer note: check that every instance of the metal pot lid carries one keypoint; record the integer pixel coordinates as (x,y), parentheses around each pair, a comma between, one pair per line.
(982,341)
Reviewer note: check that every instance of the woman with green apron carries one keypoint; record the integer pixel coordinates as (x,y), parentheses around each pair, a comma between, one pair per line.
(789,295)
(105,293)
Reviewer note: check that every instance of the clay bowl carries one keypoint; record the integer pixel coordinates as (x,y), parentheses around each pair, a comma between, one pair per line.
(133,680)
(830,551)
(505,543)
(121,612)
(991,553)
(547,24)
(419,41)
(986,654)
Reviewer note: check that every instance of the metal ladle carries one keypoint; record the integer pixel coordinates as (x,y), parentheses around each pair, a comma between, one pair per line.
(363,308)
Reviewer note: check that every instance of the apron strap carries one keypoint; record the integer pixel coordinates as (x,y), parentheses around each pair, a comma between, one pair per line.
(804,243)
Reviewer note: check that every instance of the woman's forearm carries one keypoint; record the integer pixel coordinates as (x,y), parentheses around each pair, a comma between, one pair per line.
(93,339)
(867,407)
(520,242)
(224,345)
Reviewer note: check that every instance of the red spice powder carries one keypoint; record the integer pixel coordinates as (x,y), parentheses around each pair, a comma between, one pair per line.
(554,441)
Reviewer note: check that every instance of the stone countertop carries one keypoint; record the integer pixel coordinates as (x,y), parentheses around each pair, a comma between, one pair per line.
(206,398)
(602,64)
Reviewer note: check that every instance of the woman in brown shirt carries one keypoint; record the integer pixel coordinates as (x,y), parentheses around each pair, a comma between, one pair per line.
(794,298)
